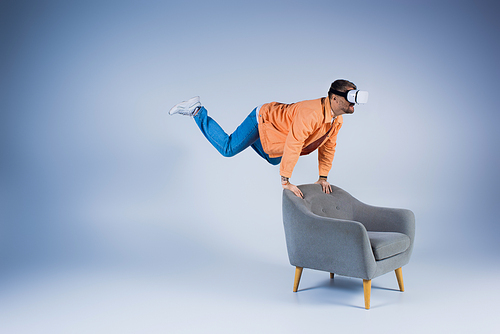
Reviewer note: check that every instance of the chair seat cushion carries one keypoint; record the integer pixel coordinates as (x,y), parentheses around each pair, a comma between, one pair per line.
(387,244)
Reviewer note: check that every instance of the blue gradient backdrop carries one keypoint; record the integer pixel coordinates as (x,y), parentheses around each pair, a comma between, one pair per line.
(93,170)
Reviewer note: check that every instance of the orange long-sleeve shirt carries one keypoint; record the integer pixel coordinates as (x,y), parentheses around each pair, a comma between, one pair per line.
(291,130)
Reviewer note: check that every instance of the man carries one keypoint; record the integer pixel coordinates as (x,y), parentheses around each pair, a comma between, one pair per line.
(280,133)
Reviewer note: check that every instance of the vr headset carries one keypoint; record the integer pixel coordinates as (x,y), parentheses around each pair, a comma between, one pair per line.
(353,96)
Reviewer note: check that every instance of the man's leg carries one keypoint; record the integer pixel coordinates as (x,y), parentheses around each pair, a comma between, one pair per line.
(228,145)
(257,146)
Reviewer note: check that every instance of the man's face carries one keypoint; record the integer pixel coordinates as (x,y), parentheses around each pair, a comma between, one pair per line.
(341,106)
(348,106)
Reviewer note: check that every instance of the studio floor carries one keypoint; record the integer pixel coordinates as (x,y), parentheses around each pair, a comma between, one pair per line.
(241,295)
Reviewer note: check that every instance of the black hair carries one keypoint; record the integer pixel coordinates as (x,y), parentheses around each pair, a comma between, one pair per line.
(341,85)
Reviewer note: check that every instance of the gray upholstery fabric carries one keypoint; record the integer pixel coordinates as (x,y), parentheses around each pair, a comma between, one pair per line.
(330,232)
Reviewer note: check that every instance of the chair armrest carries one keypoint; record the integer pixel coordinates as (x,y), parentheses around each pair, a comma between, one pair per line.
(382,219)
(323,243)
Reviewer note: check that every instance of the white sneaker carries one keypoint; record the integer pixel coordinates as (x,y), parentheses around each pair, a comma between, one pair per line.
(187,108)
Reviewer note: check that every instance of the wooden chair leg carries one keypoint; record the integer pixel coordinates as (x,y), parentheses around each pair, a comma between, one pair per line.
(367,287)
(331,275)
(298,274)
(399,276)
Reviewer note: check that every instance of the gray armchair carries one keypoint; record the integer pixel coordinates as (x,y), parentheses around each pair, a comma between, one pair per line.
(341,235)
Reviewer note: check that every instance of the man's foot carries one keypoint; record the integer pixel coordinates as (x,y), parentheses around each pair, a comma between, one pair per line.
(187,108)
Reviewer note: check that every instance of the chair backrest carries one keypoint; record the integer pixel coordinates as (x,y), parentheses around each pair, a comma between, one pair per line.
(338,204)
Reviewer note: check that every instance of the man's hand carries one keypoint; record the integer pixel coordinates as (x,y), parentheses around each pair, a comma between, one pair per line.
(293,189)
(327,188)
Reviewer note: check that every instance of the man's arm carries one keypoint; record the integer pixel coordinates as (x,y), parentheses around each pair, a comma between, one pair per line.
(301,128)
(325,158)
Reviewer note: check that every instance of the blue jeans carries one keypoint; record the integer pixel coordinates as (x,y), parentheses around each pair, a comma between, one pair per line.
(247,134)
